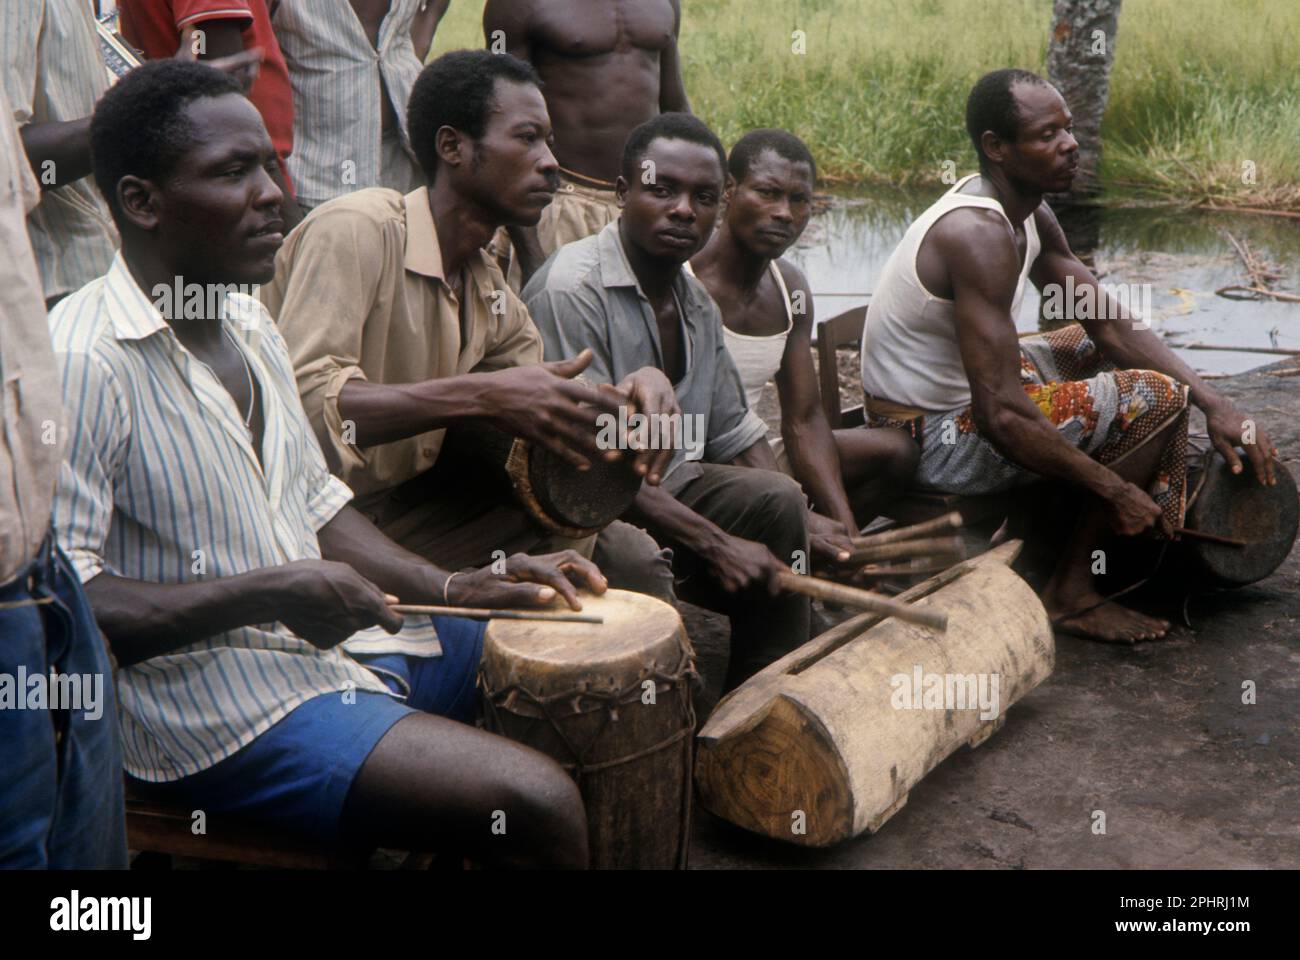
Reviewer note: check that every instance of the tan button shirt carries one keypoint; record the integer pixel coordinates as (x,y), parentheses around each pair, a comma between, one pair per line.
(52,70)
(359,292)
(31,410)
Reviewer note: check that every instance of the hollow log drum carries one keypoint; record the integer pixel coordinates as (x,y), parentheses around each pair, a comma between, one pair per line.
(611,702)
(825,743)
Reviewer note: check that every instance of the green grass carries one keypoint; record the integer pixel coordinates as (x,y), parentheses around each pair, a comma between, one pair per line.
(1198,88)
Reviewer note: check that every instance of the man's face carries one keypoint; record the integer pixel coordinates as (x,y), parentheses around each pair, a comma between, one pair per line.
(511,168)
(219,211)
(1045,155)
(770,207)
(670,206)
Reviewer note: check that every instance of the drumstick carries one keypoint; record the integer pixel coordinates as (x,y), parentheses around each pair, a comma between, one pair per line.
(482,613)
(860,599)
(908,548)
(1209,537)
(938,524)
(904,569)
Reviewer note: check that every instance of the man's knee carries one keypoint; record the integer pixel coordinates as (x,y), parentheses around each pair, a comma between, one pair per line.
(543,801)
(631,559)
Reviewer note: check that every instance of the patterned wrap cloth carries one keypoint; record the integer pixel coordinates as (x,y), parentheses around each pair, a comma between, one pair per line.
(1105,412)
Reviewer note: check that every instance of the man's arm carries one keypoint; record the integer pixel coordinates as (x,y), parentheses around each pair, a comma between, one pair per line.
(425,24)
(735,563)
(672,89)
(979,252)
(58,151)
(1128,342)
(808,438)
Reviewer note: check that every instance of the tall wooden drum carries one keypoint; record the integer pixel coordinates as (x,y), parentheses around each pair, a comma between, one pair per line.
(612,702)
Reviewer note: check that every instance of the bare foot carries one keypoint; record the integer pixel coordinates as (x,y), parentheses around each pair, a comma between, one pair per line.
(1109,622)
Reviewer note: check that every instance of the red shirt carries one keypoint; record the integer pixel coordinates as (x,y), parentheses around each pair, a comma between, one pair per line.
(155,27)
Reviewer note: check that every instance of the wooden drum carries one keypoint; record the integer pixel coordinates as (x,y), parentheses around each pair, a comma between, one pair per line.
(611,702)
(557,496)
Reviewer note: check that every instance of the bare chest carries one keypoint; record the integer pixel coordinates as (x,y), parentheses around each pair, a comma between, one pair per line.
(584,28)
(371,13)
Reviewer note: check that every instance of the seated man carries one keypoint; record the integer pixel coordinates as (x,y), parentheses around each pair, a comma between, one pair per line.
(239,592)
(940,355)
(400,325)
(623,295)
(768,321)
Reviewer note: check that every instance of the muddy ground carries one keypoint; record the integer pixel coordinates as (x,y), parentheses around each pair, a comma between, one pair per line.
(1155,735)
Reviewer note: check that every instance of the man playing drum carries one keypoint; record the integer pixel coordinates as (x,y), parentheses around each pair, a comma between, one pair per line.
(1100,405)
(622,294)
(263,671)
(400,325)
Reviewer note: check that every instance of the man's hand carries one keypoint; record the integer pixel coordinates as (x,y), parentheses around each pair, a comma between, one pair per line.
(1228,430)
(829,541)
(326,602)
(528,582)
(1130,511)
(743,564)
(543,403)
(243,67)
(649,392)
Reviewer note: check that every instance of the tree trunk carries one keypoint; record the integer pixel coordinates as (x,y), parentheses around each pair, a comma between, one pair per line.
(1079,57)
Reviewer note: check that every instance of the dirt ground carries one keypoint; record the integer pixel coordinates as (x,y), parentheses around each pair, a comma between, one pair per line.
(1155,735)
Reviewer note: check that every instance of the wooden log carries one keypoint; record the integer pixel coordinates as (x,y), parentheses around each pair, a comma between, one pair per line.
(825,744)
(949,521)
(861,600)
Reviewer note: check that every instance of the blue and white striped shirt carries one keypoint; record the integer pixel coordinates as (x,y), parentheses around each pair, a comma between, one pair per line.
(161,484)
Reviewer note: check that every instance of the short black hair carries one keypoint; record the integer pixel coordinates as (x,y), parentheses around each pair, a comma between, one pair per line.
(139,127)
(781,142)
(992,106)
(669,126)
(456,91)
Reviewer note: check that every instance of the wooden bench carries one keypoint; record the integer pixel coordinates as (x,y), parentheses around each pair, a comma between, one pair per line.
(914,506)
(169,830)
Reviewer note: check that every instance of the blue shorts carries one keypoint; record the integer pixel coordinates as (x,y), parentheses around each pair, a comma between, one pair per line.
(296,776)
(61,774)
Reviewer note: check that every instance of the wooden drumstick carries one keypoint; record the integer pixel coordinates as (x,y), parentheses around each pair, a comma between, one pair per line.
(908,548)
(482,613)
(860,599)
(1209,537)
(902,569)
(948,521)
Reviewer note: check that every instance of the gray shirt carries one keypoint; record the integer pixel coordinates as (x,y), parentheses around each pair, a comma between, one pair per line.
(586,295)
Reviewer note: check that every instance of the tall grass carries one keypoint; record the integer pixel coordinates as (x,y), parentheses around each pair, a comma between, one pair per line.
(1199,87)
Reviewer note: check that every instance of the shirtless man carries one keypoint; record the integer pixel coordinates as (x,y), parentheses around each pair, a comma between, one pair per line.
(608,66)
(1100,406)
(767,325)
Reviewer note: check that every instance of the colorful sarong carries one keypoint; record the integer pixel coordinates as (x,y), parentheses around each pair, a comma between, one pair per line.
(1105,412)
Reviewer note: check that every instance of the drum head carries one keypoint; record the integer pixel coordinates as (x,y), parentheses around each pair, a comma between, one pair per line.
(1241,507)
(582,499)
(640,636)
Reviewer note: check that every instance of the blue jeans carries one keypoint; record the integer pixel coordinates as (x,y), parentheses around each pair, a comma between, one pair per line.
(61,801)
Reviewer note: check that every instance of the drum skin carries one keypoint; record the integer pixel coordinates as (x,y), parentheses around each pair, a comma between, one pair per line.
(1241,507)
(612,703)
(557,496)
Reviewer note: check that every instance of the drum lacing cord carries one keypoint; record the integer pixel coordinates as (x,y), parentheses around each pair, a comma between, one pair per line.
(608,702)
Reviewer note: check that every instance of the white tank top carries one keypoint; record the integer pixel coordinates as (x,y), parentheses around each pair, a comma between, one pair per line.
(758,358)
(909,342)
